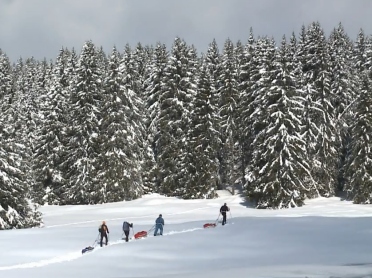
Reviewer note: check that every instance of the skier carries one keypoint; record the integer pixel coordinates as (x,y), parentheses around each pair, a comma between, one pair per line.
(126,228)
(103,229)
(159,223)
(223,211)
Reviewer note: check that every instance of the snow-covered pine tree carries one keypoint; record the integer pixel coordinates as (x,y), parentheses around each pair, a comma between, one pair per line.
(358,171)
(190,189)
(245,123)
(118,169)
(16,210)
(261,76)
(25,106)
(213,64)
(343,87)
(142,59)
(6,77)
(279,151)
(239,158)
(102,61)
(135,111)
(177,92)
(359,54)
(259,73)
(203,141)
(50,144)
(293,48)
(152,85)
(82,185)
(228,108)
(71,67)
(40,88)
(320,129)
(341,68)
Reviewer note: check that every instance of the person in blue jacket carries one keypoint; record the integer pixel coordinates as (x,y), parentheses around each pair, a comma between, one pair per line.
(159,223)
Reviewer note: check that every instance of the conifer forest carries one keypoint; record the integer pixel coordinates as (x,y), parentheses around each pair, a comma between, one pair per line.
(277,121)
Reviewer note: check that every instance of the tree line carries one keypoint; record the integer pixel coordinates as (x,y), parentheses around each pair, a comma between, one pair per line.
(282,122)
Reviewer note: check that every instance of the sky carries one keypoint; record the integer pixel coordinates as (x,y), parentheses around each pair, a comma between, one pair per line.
(40,28)
(325,238)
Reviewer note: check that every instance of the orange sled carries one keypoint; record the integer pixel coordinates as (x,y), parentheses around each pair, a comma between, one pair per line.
(140,235)
(209,225)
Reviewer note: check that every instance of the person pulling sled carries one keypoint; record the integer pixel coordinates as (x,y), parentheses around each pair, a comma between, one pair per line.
(223,211)
(159,223)
(103,230)
(126,229)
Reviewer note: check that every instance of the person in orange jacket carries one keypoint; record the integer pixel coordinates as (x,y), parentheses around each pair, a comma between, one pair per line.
(104,231)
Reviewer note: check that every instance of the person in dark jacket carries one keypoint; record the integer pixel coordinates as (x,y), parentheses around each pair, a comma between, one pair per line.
(223,211)
(159,223)
(103,230)
(126,229)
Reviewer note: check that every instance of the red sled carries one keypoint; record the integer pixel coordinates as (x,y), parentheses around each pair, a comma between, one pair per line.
(209,225)
(140,235)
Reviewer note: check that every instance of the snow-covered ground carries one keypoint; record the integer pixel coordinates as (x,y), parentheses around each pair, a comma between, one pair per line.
(325,238)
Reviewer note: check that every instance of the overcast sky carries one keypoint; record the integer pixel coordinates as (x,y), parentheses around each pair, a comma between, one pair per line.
(39,28)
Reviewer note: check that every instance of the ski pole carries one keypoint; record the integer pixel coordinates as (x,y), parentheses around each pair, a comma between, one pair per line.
(152,228)
(231,216)
(95,242)
(218,217)
(216,222)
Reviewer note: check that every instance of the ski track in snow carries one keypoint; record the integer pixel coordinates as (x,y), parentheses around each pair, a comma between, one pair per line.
(77,254)
(121,218)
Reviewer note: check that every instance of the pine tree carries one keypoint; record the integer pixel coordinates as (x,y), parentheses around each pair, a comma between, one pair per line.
(16,210)
(82,186)
(279,161)
(256,79)
(245,122)
(320,130)
(213,65)
(190,188)
(143,60)
(133,87)
(360,52)
(6,78)
(50,152)
(153,91)
(24,108)
(229,103)
(118,169)
(177,92)
(343,87)
(358,170)
(203,142)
